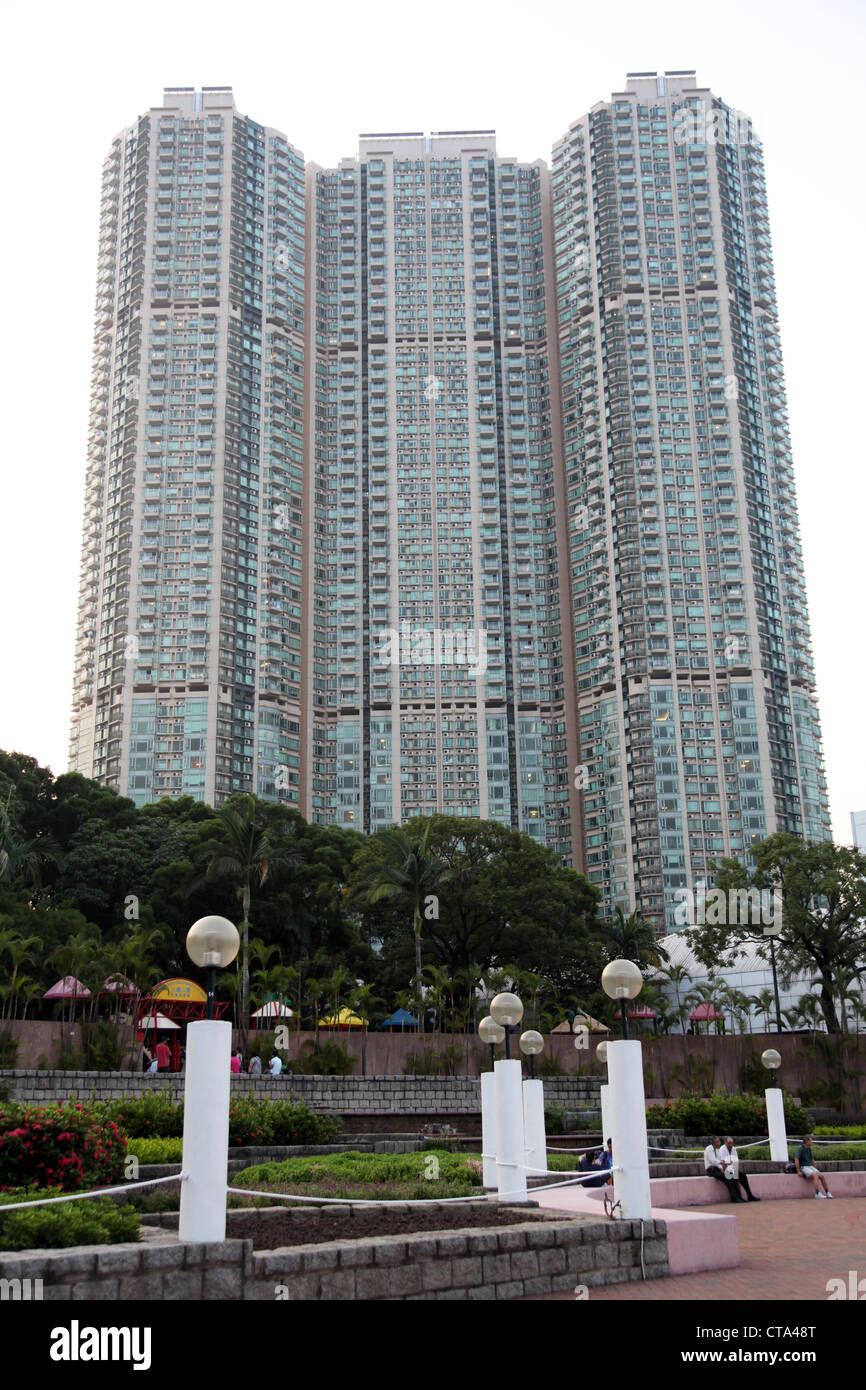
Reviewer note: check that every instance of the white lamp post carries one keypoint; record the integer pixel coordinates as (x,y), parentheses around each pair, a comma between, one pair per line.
(211,942)
(622,980)
(535,1139)
(772,1060)
(507,1010)
(604,1095)
(490,1033)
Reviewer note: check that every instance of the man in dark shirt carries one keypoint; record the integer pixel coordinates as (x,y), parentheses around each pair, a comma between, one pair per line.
(804,1164)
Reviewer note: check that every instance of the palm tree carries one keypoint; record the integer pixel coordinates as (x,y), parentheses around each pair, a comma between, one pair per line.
(22,859)
(765,1007)
(244,852)
(410,872)
(364,1002)
(19,949)
(631,938)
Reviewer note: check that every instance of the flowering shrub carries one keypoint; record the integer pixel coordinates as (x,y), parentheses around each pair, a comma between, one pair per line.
(143,1117)
(66,1146)
(720,1114)
(254,1121)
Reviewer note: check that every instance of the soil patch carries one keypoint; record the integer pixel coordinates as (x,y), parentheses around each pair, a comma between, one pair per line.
(298,1228)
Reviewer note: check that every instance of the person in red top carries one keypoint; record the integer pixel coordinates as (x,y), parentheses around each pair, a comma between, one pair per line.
(236,1063)
(163,1056)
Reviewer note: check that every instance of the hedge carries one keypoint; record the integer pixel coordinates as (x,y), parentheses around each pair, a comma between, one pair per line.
(96,1221)
(722,1114)
(71,1147)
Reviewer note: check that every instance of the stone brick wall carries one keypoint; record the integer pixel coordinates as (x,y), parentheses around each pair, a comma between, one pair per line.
(513,1262)
(372,1095)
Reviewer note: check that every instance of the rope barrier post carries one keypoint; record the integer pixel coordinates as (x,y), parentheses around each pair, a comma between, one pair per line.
(488,1129)
(535,1139)
(776,1124)
(628,1130)
(604,1093)
(510,1158)
(206,1130)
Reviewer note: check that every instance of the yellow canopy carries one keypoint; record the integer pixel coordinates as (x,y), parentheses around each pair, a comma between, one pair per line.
(344,1019)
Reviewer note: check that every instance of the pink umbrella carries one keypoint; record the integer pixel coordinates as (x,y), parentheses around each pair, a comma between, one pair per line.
(704,1012)
(67,988)
(116,984)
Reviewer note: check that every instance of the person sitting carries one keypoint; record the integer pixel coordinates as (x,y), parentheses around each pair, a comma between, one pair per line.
(255,1066)
(715,1169)
(731,1166)
(805,1166)
(603,1162)
(275,1065)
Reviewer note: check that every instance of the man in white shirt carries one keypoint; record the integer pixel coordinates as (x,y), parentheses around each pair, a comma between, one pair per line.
(275,1065)
(730,1159)
(715,1169)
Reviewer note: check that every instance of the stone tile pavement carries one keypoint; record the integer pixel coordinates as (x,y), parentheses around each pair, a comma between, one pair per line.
(788,1251)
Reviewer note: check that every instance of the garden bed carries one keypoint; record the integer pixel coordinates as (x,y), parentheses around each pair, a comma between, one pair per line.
(273,1230)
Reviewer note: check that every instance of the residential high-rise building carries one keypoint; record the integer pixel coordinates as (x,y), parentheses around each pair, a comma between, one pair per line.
(858,829)
(697,715)
(187,676)
(443,482)
(439,680)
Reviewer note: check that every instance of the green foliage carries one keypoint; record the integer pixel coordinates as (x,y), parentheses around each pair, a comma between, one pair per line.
(329,1059)
(143,1117)
(548,1065)
(8,1053)
(95,1221)
(278,1122)
(848,1131)
(444,1061)
(721,1114)
(69,1146)
(383,1177)
(156,1150)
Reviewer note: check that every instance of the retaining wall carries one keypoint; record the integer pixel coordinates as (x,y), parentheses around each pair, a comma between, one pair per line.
(348,1095)
(518,1261)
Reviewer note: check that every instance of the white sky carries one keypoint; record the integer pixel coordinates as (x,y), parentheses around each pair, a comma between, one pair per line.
(78,74)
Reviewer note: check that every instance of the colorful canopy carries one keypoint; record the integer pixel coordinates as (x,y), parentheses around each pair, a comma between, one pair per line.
(400,1018)
(116,984)
(581,1020)
(67,988)
(273,1010)
(705,1012)
(344,1019)
(644,1011)
(157,1021)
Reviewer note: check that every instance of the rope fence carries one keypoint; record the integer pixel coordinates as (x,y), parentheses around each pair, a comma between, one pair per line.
(97,1192)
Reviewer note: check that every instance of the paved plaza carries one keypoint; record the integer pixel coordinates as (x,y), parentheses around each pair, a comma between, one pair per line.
(788,1251)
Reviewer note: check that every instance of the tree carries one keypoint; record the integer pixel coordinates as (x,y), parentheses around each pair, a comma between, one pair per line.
(631,938)
(365,1003)
(823,907)
(407,870)
(18,949)
(244,852)
(22,859)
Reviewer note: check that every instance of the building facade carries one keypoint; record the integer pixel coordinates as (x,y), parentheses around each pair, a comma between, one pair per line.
(443,482)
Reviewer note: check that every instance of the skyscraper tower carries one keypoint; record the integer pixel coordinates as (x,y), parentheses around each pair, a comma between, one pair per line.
(697,715)
(187,676)
(439,681)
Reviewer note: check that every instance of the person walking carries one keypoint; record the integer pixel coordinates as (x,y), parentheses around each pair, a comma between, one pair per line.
(805,1166)
(163,1056)
(715,1169)
(731,1167)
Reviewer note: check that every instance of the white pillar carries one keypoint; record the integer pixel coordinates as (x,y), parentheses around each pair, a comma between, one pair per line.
(510,1165)
(605,1113)
(776,1124)
(488,1129)
(535,1139)
(207,1094)
(631,1184)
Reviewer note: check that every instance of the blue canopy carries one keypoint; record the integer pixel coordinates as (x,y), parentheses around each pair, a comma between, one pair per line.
(400,1019)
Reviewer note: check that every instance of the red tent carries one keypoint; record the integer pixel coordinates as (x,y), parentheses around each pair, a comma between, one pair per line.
(643,1012)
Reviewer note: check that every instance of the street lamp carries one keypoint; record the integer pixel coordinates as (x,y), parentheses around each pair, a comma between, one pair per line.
(212,942)
(491,1033)
(506,1010)
(622,980)
(534,1137)
(772,1060)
